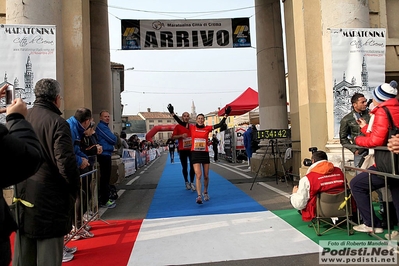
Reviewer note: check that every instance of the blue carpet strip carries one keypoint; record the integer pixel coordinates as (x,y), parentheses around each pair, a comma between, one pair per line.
(171,198)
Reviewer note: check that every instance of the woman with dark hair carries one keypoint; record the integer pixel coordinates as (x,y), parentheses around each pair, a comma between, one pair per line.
(199,148)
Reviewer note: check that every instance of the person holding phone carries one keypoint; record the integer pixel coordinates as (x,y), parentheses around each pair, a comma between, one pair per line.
(17,140)
(349,127)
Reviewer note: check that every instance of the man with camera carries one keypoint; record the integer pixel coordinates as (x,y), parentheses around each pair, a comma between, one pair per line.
(322,176)
(349,128)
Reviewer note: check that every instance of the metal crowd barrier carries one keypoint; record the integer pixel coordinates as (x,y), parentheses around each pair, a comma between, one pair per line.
(88,209)
(383,175)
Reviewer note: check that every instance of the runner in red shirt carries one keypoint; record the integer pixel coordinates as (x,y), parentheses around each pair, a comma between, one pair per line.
(199,148)
(183,135)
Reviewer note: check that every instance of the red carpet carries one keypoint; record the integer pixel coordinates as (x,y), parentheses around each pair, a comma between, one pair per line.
(111,245)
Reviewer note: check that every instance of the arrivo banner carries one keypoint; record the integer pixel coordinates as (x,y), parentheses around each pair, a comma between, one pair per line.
(185,34)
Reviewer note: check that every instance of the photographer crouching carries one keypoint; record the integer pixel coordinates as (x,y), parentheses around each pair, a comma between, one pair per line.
(322,176)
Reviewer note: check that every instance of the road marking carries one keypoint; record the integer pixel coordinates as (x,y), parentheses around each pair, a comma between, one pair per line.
(278,191)
(131,181)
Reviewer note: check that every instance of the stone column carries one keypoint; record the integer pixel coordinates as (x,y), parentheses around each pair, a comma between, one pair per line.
(100,59)
(77,63)
(310,67)
(355,14)
(306,77)
(271,78)
(270,64)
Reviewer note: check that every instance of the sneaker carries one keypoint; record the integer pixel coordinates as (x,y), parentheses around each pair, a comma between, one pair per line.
(206,196)
(366,229)
(67,256)
(89,216)
(394,236)
(83,233)
(199,199)
(192,186)
(109,204)
(73,236)
(188,186)
(71,250)
(87,227)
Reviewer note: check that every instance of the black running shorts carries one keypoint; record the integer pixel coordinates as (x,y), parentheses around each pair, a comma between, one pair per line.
(200,157)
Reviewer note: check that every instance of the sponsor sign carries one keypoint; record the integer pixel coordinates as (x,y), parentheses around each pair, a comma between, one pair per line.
(28,55)
(185,34)
(358,65)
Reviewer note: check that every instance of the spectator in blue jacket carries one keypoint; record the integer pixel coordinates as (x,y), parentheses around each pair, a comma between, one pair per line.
(107,140)
(78,124)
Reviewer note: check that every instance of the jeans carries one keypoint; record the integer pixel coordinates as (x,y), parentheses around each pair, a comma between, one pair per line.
(360,191)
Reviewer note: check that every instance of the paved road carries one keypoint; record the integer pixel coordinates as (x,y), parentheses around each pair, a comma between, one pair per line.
(136,193)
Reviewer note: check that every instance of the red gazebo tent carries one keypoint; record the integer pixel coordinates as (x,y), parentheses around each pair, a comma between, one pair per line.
(244,103)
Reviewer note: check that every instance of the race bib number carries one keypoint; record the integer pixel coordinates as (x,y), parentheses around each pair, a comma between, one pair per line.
(187,143)
(199,144)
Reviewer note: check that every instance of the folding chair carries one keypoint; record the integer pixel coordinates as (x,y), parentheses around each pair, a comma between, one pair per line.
(332,210)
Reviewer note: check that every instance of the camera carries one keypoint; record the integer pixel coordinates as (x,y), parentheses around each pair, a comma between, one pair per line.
(307,161)
(10,94)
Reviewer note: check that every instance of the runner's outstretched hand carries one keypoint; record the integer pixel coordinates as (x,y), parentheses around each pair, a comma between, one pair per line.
(170,108)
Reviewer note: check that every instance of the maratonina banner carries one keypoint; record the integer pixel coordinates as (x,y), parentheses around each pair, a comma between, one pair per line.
(28,55)
(185,34)
(358,65)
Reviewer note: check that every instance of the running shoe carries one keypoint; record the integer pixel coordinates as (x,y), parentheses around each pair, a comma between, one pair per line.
(188,187)
(109,204)
(394,235)
(206,196)
(367,229)
(192,186)
(73,236)
(67,256)
(89,216)
(199,199)
(71,250)
(82,233)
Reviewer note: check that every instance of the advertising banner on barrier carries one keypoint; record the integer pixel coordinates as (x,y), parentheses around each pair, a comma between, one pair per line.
(185,34)
(228,143)
(28,55)
(358,65)
(240,137)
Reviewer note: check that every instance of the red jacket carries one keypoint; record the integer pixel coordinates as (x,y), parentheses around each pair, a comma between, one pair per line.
(379,129)
(184,143)
(324,177)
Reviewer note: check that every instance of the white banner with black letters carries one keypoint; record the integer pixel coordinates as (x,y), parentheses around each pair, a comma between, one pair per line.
(28,55)
(358,65)
(185,34)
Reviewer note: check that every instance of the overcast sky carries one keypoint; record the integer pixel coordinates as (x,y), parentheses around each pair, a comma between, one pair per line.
(209,77)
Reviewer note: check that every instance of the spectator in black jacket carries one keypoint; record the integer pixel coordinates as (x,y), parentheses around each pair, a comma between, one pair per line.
(215,144)
(17,140)
(53,189)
